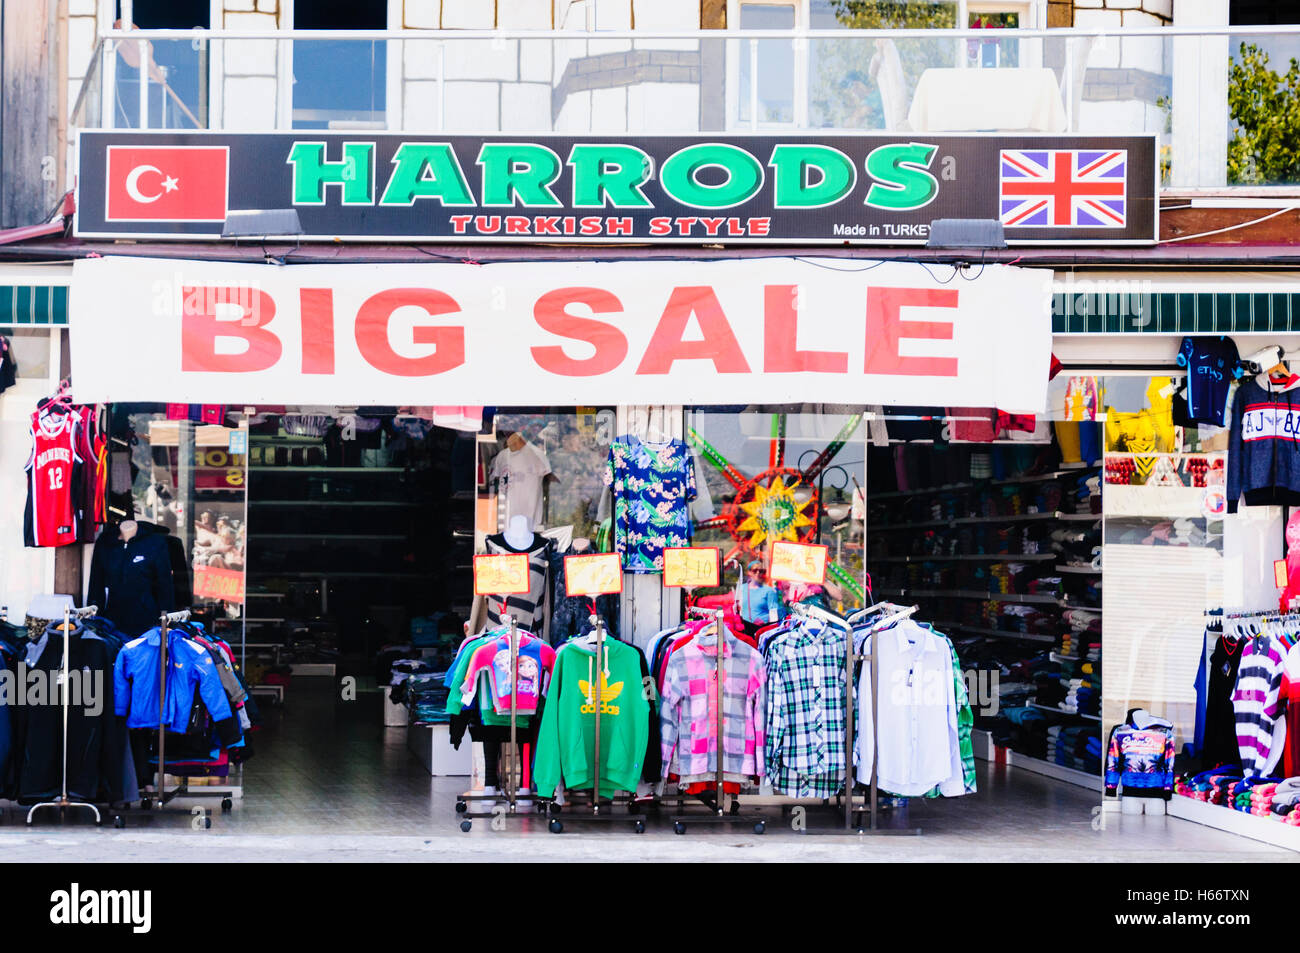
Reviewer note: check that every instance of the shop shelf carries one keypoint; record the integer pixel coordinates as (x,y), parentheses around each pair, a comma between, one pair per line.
(994,633)
(1026,597)
(977,557)
(975,520)
(1079,570)
(1071,714)
(1009,481)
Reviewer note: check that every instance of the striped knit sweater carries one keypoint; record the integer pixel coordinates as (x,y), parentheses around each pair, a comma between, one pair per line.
(1256,701)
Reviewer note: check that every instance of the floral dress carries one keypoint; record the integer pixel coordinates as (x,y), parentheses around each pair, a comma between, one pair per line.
(653,484)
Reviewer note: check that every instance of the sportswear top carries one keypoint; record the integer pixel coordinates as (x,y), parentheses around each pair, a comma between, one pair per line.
(1211,364)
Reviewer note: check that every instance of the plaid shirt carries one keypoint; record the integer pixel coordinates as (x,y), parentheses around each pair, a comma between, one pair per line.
(688,713)
(805,710)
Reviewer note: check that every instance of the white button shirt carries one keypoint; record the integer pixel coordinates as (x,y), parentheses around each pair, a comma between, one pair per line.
(918,712)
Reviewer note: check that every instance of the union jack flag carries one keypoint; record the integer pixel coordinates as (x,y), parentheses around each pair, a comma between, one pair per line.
(1063,188)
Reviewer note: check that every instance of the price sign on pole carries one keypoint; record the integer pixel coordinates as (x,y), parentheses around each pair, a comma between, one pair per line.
(689,566)
(502,575)
(595,575)
(799,562)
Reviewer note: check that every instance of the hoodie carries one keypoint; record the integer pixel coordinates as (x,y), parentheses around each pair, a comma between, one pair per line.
(1264,448)
(131,582)
(1140,757)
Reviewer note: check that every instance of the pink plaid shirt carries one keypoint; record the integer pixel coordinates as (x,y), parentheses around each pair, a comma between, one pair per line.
(688,714)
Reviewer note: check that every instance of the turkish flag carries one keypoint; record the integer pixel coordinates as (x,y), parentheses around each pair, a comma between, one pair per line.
(167,184)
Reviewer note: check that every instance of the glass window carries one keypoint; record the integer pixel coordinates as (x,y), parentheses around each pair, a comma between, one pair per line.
(31,349)
(1163,552)
(189,484)
(784,473)
(775,64)
(859,83)
(340,84)
(994,53)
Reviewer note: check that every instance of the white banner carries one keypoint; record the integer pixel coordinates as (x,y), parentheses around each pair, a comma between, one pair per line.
(762,330)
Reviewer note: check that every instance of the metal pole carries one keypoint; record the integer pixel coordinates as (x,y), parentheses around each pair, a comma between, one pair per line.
(597,684)
(514,710)
(718,676)
(67,645)
(875,729)
(848,730)
(162,710)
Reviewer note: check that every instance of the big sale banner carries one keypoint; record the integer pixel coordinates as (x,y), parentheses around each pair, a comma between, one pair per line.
(754,330)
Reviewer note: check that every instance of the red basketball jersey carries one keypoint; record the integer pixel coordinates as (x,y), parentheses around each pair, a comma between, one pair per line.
(53,476)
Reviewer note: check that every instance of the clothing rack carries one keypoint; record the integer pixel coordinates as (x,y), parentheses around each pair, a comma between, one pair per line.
(896,614)
(556,826)
(719,813)
(63,803)
(163,796)
(510,790)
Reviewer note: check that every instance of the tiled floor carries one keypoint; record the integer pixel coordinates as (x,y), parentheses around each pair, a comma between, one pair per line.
(327,783)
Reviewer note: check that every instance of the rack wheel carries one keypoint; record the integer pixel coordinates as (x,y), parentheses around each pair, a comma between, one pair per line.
(679,828)
(557,827)
(760,827)
(553,808)
(466,824)
(226,805)
(119,822)
(639,827)
(207,823)
(461,807)
(145,803)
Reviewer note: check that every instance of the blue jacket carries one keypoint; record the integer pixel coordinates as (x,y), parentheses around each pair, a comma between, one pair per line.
(135,684)
(1264,448)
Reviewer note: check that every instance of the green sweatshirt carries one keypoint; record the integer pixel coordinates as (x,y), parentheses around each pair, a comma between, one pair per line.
(565,742)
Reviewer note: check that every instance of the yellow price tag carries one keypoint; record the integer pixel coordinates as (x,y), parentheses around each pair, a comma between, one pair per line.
(1280,573)
(502,575)
(595,575)
(686,566)
(799,562)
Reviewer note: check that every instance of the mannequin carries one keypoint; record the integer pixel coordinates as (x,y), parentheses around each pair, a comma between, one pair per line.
(128,529)
(519,532)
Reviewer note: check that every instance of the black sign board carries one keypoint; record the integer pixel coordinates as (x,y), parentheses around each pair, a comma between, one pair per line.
(869,189)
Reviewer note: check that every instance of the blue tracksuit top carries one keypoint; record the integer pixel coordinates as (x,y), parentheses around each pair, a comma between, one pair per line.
(135,681)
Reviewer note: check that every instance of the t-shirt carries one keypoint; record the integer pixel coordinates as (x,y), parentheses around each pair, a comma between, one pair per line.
(653,484)
(523,470)
(1211,363)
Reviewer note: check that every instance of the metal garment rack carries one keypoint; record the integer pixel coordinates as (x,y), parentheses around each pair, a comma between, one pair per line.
(162,796)
(719,813)
(510,791)
(64,803)
(556,825)
(872,802)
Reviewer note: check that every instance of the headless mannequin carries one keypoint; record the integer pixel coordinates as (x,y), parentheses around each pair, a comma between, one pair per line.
(128,529)
(519,532)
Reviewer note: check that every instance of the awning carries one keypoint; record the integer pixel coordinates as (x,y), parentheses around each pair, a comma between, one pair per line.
(33,305)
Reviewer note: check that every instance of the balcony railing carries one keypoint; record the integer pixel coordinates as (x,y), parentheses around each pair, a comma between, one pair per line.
(1169,81)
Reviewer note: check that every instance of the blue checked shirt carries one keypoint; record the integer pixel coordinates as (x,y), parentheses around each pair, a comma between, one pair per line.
(805,711)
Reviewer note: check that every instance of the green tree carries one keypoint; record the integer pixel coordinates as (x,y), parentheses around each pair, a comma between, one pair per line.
(1265,111)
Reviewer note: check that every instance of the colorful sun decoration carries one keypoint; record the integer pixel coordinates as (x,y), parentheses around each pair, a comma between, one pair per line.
(766,509)
(775,514)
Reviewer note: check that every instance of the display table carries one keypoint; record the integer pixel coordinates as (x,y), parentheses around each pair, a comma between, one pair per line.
(987,100)
(431,746)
